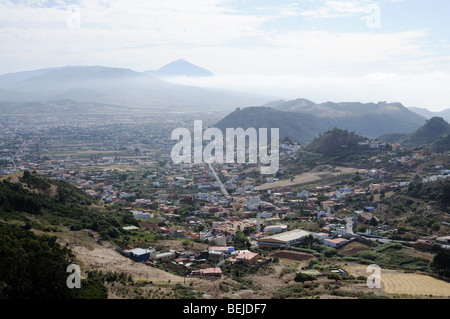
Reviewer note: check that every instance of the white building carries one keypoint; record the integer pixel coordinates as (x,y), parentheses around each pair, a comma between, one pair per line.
(289,238)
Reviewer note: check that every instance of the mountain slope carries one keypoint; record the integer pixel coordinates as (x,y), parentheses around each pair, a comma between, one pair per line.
(434,130)
(304,127)
(53,203)
(445,114)
(367,119)
(298,126)
(12,78)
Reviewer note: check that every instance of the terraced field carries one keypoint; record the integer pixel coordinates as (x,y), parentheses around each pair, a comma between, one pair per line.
(397,282)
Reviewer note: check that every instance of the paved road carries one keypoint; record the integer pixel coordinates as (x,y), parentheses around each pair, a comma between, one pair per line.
(222,187)
(17,153)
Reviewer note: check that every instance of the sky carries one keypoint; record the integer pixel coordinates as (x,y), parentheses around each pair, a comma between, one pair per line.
(323,50)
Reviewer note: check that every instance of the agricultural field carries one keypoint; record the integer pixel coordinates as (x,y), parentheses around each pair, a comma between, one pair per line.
(398,282)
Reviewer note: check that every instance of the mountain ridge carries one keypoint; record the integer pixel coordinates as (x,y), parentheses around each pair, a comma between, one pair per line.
(304,127)
(125,88)
(432,131)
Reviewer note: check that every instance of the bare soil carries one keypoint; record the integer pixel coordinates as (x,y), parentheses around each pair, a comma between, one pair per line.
(309,177)
(297,256)
(353,248)
(105,257)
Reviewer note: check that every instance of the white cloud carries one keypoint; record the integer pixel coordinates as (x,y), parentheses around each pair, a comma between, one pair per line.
(343,8)
(242,48)
(422,90)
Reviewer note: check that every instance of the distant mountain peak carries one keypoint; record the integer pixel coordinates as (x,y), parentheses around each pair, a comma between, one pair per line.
(181,67)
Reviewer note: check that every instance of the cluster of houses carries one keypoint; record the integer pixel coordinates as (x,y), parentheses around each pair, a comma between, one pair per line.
(195,260)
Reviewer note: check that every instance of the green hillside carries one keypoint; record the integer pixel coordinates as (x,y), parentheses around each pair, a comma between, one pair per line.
(335,141)
(303,128)
(303,121)
(34,266)
(47,205)
(435,130)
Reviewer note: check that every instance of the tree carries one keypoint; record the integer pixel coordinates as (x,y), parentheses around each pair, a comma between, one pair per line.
(435,226)
(302,277)
(240,240)
(31,266)
(373,222)
(334,277)
(308,241)
(441,263)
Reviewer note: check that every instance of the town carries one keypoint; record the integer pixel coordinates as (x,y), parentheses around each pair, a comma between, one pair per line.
(238,215)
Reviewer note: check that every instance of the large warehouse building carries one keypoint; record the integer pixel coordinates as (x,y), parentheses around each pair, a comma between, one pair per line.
(289,238)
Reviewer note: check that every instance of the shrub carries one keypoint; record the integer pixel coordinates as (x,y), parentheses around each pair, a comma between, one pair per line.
(334,277)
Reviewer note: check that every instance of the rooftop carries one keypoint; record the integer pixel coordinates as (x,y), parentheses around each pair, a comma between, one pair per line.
(336,240)
(287,236)
(245,254)
(139,251)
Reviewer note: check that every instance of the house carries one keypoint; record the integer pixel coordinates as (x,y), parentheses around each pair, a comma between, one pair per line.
(223,249)
(247,257)
(339,230)
(178,233)
(208,272)
(320,236)
(161,256)
(130,228)
(215,254)
(219,240)
(139,254)
(364,217)
(336,242)
(275,229)
(444,240)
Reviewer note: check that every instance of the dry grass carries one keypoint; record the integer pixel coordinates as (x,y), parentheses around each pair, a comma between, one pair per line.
(309,177)
(353,248)
(92,256)
(397,282)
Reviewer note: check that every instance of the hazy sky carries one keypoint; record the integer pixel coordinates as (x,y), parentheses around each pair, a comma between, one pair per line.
(352,50)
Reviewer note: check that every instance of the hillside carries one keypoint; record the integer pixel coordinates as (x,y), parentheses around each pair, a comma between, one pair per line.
(445,114)
(35,213)
(335,141)
(416,211)
(434,130)
(442,145)
(366,119)
(47,204)
(298,126)
(32,267)
(305,126)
